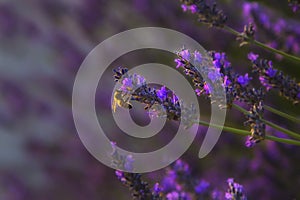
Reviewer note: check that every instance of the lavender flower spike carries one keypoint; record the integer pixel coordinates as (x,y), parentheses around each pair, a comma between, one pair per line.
(235,191)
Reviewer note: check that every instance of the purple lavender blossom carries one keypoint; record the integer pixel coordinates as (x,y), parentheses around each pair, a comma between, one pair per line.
(157,191)
(294,4)
(191,8)
(206,14)
(138,187)
(184,7)
(213,76)
(179,63)
(235,191)
(197,57)
(185,54)
(227,82)
(169,181)
(126,84)
(181,166)
(270,71)
(201,187)
(207,88)
(120,176)
(128,165)
(237,88)
(252,56)
(269,74)
(243,80)
(173,195)
(220,60)
(249,142)
(162,93)
(272,78)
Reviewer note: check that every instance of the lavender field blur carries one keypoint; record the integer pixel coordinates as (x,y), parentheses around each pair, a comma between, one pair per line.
(44,42)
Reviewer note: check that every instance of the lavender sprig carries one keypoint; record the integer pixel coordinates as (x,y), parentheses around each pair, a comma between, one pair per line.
(138,187)
(176,116)
(237,88)
(294,4)
(217,18)
(282,33)
(235,191)
(178,183)
(272,78)
(206,14)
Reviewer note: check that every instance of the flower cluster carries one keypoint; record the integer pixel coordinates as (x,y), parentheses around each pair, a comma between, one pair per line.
(121,161)
(281,33)
(179,184)
(211,84)
(205,71)
(257,126)
(237,87)
(235,191)
(294,4)
(206,14)
(138,187)
(274,79)
(159,102)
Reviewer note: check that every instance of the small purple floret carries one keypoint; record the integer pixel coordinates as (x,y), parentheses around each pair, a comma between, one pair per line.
(244,80)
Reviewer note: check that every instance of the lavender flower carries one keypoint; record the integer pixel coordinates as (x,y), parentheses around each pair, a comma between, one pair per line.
(201,187)
(157,192)
(137,186)
(235,191)
(158,102)
(178,196)
(281,33)
(178,184)
(274,79)
(119,72)
(206,14)
(237,88)
(257,126)
(294,4)
(162,93)
(246,35)
(120,161)
(243,80)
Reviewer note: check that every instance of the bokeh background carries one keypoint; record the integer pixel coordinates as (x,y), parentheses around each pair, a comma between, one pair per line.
(42,44)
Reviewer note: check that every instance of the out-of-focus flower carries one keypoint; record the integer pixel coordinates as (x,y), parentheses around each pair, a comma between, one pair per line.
(201,187)
(206,14)
(294,4)
(281,33)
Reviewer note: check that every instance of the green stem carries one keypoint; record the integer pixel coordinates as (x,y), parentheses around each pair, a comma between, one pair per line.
(282,140)
(282,114)
(283,130)
(257,43)
(245,133)
(226,128)
(239,108)
(279,128)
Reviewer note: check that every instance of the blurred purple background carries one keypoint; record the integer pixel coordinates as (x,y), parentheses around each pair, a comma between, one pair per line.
(43,43)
